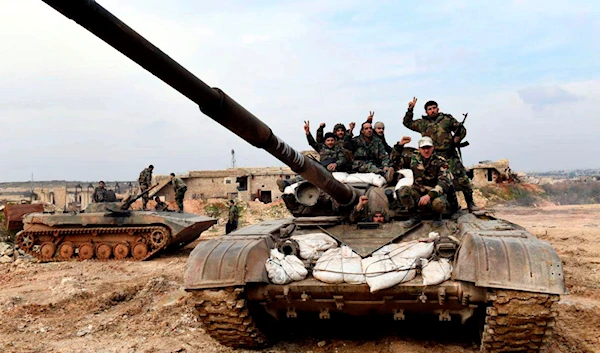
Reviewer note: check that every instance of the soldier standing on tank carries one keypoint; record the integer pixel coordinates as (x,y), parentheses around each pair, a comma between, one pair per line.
(100,193)
(369,154)
(432,182)
(180,189)
(232,218)
(446,132)
(145,180)
(331,155)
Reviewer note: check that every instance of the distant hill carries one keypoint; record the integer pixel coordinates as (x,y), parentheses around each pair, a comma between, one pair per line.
(573,173)
(58,183)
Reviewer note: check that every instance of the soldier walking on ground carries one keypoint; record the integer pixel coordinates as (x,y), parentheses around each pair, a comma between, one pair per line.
(145,180)
(432,183)
(100,193)
(446,132)
(180,189)
(233,217)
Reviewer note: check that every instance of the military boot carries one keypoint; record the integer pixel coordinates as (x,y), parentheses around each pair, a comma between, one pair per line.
(469,200)
(412,221)
(436,221)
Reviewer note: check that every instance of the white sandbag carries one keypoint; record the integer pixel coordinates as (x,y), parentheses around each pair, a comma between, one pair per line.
(382,271)
(410,249)
(339,265)
(406,180)
(290,189)
(283,269)
(313,245)
(340,176)
(436,272)
(360,178)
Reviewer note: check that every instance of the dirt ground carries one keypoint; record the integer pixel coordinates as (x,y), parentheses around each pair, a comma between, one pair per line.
(141,307)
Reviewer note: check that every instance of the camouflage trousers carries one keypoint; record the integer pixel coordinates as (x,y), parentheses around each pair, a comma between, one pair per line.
(410,196)
(361,166)
(145,198)
(461,180)
(179,195)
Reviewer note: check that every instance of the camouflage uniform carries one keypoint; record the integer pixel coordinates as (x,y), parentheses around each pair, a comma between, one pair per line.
(145,179)
(161,206)
(100,195)
(180,189)
(329,155)
(431,177)
(369,157)
(387,147)
(440,130)
(344,142)
(232,220)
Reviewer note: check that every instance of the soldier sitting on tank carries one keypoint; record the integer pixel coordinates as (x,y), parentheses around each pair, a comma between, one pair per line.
(331,155)
(432,182)
(379,129)
(369,154)
(446,132)
(361,213)
(100,193)
(160,205)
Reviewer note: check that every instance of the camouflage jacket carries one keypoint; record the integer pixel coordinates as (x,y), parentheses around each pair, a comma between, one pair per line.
(234,213)
(328,155)
(401,156)
(99,195)
(178,184)
(161,206)
(145,177)
(431,176)
(387,147)
(370,151)
(343,142)
(440,129)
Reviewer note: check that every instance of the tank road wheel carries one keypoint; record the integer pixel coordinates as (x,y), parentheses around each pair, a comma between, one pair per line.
(158,238)
(518,321)
(121,251)
(103,251)
(66,250)
(226,318)
(86,251)
(47,250)
(139,251)
(26,241)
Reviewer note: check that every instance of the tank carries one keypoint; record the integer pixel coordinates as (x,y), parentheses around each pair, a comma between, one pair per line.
(108,230)
(504,280)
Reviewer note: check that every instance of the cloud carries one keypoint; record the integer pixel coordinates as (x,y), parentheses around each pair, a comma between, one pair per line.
(546,96)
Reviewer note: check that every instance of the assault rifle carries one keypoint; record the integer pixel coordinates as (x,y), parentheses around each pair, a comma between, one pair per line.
(457,132)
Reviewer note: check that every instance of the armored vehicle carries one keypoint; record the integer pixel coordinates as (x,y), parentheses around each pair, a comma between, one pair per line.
(108,230)
(503,278)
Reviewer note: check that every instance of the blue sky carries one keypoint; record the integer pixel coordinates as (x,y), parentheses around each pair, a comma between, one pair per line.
(71,107)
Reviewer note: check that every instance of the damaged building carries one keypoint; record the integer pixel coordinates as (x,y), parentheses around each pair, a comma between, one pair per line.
(488,172)
(243,183)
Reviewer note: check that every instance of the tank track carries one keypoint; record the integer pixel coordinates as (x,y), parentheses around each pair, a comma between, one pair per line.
(142,233)
(226,318)
(518,321)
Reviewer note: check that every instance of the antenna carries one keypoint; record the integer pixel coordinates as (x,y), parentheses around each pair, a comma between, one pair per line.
(232,159)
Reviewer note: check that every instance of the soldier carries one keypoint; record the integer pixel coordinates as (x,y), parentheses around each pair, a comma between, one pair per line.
(446,132)
(379,128)
(360,213)
(100,193)
(369,154)
(160,205)
(332,155)
(145,180)
(432,182)
(233,217)
(180,189)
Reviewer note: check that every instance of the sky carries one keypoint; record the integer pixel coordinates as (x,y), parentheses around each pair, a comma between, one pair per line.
(72,107)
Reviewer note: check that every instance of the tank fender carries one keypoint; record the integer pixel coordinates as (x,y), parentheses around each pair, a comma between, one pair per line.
(227,261)
(519,262)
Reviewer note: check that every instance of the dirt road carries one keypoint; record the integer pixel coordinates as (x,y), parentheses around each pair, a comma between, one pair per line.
(141,306)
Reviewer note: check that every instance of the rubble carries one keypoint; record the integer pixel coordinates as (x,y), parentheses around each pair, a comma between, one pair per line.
(10,253)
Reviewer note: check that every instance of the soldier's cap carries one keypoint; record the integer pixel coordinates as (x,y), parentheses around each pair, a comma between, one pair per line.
(329,135)
(425,141)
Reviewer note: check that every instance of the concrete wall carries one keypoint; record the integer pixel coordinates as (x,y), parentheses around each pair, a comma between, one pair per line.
(481,176)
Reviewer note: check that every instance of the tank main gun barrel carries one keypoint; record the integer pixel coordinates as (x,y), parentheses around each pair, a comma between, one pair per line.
(212,101)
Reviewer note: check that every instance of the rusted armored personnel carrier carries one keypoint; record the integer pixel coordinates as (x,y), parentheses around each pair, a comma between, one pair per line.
(108,230)
(503,278)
